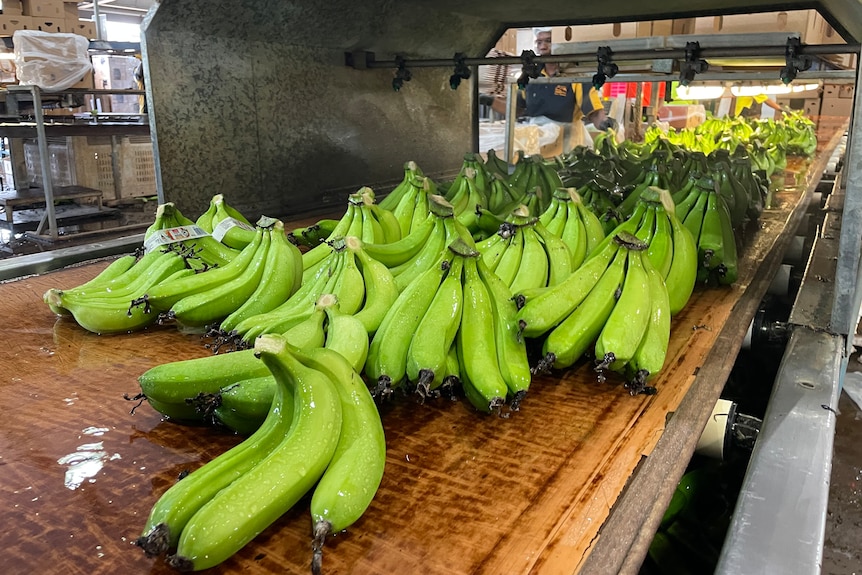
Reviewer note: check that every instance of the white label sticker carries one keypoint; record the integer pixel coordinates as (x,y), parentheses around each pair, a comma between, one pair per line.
(173,235)
(223,226)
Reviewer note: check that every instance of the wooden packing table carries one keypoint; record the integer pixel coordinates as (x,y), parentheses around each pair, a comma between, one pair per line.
(462,492)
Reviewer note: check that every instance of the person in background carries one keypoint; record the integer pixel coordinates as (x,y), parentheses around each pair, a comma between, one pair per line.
(567,105)
(139,81)
(751,106)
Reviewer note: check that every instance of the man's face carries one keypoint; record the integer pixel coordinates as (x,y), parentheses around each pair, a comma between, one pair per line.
(543,43)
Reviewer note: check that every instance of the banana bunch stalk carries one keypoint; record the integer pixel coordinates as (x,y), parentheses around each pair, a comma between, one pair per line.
(325,440)
(226,224)
(474,167)
(466,197)
(525,255)
(363,219)
(570,220)
(706,214)
(312,235)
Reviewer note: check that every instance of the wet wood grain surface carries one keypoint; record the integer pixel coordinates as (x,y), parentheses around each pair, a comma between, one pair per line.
(462,492)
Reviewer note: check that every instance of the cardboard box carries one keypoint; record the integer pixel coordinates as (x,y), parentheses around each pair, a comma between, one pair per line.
(82,28)
(13,7)
(55,25)
(70,11)
(8,24)
(44,9)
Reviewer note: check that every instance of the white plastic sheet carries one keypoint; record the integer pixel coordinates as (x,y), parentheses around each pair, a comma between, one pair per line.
(52,61)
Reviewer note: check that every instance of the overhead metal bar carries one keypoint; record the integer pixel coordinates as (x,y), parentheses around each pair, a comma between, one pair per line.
(362,60)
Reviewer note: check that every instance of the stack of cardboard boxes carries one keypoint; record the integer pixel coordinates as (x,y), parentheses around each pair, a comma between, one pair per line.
(44,15)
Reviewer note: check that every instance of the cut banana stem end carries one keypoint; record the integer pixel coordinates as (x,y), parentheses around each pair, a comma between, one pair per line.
(544,365)
(321,530)
(156,541)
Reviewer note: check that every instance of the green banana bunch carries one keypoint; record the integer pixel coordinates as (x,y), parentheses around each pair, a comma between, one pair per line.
(412,208)
(110,306)
(281,278)
(411,171)
(229,226)
(380,288)
(494,164)
(171,226)
(569,219)
(650,355)
(534,172)
(502,198)
(472,168)
(249,503)
(386,365)
(466,197)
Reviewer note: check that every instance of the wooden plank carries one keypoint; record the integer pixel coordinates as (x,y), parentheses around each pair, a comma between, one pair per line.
(462,492)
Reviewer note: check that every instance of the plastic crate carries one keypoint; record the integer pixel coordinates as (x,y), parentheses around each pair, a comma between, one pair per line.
(93,163)
(138,176)
(60,162)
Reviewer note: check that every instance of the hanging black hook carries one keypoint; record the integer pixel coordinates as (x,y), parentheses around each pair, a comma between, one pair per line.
(402,74)
(529,69)
(794,60)
(692,65)
(606,67)
(462,71)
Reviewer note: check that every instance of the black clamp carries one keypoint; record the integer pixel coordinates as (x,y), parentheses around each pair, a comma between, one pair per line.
(402,74)
(607,69)
(462,71)
(529,68)
(692,64)
(795,61)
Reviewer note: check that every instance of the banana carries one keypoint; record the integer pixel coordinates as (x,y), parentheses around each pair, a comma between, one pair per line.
(315,255)
(427,256)
(251,502)
(682,275)
(380,288)
(694,219)
(310,332)
(353,476)
(411,170)
(652,350)
(496,164)
(595,231)
(162,297)
(660,250)
(387,357)
(281,278)
(347,336)
(113,270)
(398,252)
(710,242)
(390,226)
(174,227)
(730,269)
(542,313)
(476,346)
(533,268)
(510,261)
(180,503)
(558,253)
(574,232)
(205,220)
(435,333)
(555,215)
(423,205)
(210,306)
(510,344)
(124,282)
(371,231)
(646,228)
(568,341)
(628,321)
(407,206)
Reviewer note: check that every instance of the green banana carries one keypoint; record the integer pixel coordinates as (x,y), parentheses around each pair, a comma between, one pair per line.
(694,220)
(243,406)
(542,313)
(625,327)
(650,355)
(660,250)
(568,341)
(231,227)
(574,233)
(381,291)
(508,337)
(510,261)
(427,256)
(251,502)
(282,276)
(398,252)
(682,275)
(435,333)
(558,253)
(387,357)
(476,346)
(347,336)
(534,267)
(595,231)
(411,170)
(355,471)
